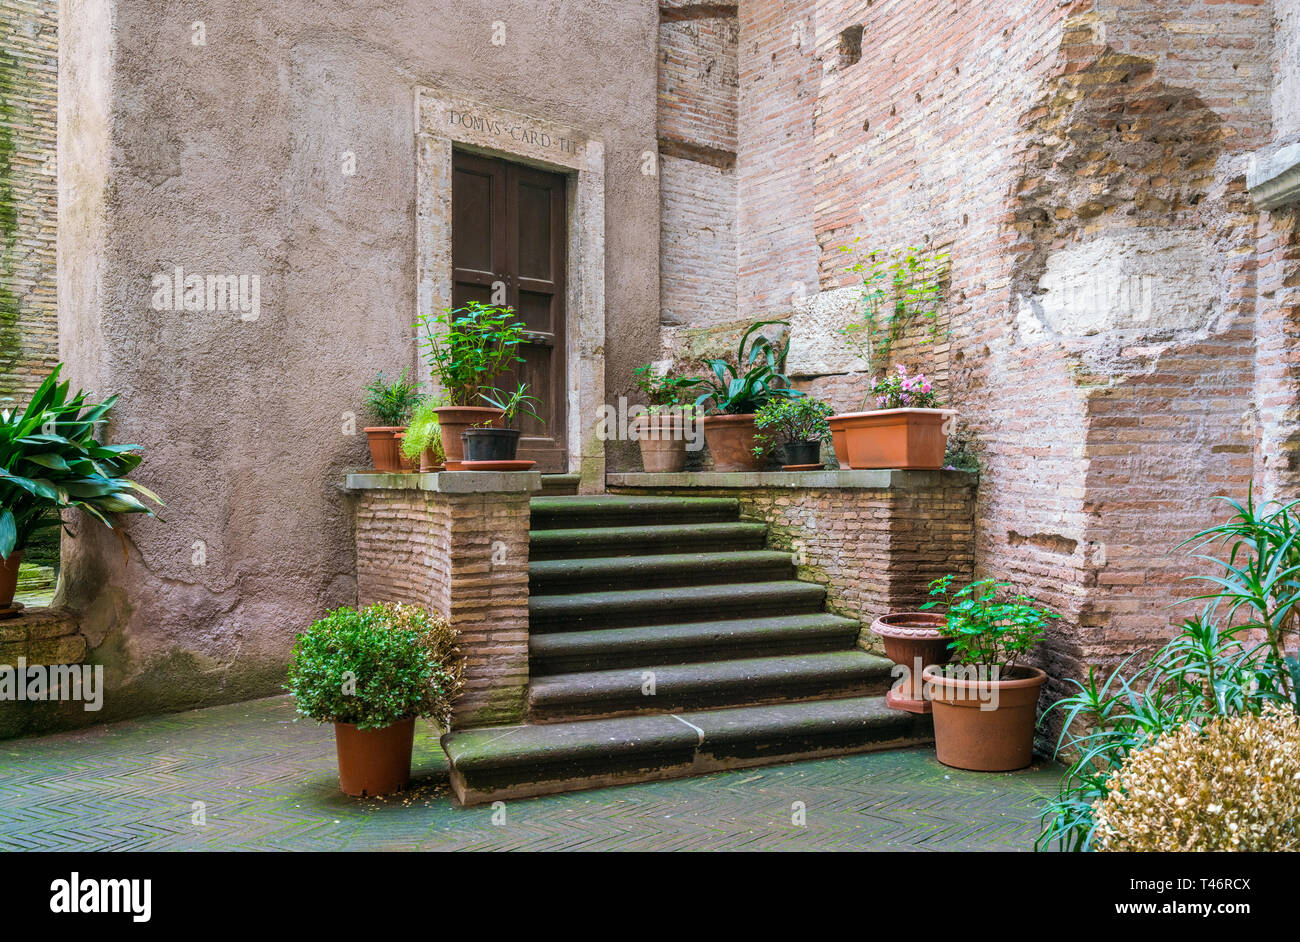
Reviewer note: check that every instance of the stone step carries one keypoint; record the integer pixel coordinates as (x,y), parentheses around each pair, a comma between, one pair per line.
(609,648)
(642,540)
(672,569)
(580,611)
(610,510)
(501,763)
(707,684)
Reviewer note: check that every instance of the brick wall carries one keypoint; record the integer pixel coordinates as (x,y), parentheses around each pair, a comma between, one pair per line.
(29,49)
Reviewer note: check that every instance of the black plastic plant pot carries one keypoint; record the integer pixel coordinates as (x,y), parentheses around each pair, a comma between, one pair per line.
(490,444)
(803,452)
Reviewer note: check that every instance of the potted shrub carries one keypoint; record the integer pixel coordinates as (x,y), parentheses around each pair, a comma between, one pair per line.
(985,702)
(390,405)
(735,393)
(913,641)
(372,673)
(422,442)
(487,443)
(661,431)
(50,461)
(907,429)
(467,349)
(795,426)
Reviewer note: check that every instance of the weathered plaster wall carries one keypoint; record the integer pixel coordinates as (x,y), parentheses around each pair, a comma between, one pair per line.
(229,158)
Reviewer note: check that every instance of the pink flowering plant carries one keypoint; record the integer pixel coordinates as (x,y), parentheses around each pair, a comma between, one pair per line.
(897,390)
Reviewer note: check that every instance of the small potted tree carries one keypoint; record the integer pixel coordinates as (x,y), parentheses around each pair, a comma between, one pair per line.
(390,405)
(467,349)
(372,673)
(985,701)
(797,427)
(907,429)
(423,441)
(661,431)
(488,448)
(736,391)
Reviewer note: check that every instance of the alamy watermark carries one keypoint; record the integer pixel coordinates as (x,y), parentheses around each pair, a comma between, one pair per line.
(625,422)
(41,682)
(178,290)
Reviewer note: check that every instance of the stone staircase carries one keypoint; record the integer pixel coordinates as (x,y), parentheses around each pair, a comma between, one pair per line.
(666,640)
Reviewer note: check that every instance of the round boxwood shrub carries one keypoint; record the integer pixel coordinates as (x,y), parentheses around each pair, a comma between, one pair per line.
(374,667)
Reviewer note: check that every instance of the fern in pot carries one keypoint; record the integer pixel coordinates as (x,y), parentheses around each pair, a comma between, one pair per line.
(422,441)
(390,405)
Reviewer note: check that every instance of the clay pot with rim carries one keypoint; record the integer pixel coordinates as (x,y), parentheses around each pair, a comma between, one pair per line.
(407,465)
(385,452)
(910,439)
(452,420)
(984,725)
(662,438)
(9,578)
(913,640)
(429,462)
(731,442)
(374,761)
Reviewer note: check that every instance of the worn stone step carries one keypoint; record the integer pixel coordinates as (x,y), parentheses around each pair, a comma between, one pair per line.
(578,611)
(610,648)
(670,569)
(501,763)
(703,684)
(611,510)
(645,540)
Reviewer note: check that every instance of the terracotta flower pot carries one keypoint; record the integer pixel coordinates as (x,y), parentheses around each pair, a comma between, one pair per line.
(912,640)
(663,441)
(731,441)
(385,453)
(452,420)
(891,438)
(429,461)
(374,761)
(985,725)
(9,578)
(408,465)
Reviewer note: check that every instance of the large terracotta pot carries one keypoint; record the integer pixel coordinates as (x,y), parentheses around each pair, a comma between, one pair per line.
(452,420)
(374,761)
(662,439)
(385,453)
(985,725)
(9,578)
(912,640)
(731,441)
(891,438)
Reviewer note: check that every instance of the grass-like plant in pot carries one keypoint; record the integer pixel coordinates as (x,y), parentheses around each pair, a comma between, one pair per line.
(661,430)
(468,349)
(423,439)
(795,426)
(737,390)
(986,700)
(390,405)
(487,443)
(50,461)
(906,429)
(372,673)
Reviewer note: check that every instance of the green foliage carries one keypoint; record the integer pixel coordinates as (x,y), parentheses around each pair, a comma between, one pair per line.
(661,390)
(988,626)
(468,347)
(374,667)
(1227,661)
(899,287)
(511,403)
(897,390)
(756,377)
(391,404)
(791,420)
(50,461)
(423,432)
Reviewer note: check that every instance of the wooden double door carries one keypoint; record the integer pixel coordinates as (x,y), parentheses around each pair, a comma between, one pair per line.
(508,248)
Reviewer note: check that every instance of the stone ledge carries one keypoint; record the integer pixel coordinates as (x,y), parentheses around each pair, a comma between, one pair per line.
(42,636)
(1273,177)
(449,482)
(861,480)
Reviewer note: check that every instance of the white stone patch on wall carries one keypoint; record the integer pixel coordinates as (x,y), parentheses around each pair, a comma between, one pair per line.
(1286,85)
(817,346)
(1145,280)
(697,243)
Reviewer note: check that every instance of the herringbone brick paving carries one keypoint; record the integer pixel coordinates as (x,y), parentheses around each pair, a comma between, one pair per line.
(269,783)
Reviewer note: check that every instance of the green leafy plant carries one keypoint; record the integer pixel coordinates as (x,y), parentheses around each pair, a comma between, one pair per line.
(468,348)
(791,420)
(511,403)
(423,431)
(663,391)
(898,288)
(50,460)
(391,404)
(897,390)
(987,625)
(755,378)
(377,666)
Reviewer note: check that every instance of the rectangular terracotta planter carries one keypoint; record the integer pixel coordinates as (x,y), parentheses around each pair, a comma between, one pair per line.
(913,439)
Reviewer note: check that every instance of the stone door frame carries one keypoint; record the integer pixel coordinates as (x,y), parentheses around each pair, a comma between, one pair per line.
(445,121)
